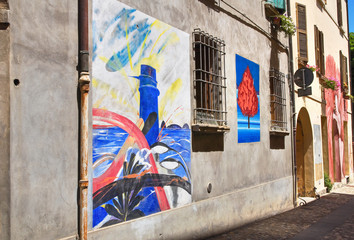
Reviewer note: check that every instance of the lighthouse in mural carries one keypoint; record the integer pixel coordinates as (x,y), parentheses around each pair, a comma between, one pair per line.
(148,110)
(140,166)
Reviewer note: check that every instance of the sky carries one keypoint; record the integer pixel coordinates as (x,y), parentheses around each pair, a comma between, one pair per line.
(351,15)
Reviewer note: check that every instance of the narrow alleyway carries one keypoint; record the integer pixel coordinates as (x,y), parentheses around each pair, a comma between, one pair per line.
(331,217)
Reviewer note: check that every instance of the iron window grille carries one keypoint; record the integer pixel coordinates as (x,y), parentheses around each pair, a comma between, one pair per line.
(209,79)
(277,100)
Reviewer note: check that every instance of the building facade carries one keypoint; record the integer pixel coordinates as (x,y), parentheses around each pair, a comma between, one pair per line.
(324,126)
(190,124)
(205,96)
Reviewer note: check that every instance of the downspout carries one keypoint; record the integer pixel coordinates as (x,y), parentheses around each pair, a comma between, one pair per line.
(292,110)
(84,85)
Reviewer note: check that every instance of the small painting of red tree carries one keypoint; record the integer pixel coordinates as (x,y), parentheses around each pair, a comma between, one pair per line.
(247,96)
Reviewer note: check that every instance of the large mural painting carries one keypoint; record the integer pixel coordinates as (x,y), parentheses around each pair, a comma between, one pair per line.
(248,116)
(336,112)
(141,115)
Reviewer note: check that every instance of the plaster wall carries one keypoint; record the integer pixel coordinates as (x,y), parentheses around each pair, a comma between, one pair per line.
(325,18)
(219,167)
(204,218)
(331,8)
(4,127)
(240,167)
(44,119)
(249,181)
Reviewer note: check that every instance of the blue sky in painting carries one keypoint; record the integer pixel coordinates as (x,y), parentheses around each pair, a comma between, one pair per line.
(241,65)
(246,134)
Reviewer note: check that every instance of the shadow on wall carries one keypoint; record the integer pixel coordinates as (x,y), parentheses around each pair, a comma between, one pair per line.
(235,14)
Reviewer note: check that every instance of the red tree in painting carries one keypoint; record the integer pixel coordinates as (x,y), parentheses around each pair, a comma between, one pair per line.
(247,96)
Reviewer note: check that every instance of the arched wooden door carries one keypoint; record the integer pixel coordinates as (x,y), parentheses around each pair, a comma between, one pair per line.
(304,155)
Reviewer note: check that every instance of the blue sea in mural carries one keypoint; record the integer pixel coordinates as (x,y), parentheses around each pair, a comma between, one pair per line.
(245,134)
(110,140)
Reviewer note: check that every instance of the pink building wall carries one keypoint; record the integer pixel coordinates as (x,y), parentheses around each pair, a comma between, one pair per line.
(336,112)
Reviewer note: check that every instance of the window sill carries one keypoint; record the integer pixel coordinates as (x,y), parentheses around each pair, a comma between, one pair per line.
(4,16)
(302,62)
(278,131)
(209,128)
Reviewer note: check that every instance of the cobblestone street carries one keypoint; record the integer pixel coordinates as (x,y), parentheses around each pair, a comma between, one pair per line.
(331,217)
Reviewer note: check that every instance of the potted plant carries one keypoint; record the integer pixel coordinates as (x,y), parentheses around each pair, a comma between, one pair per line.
(328,183)
(330,83)
(348,96)
(345,86)
(276,21)
(313,68)
(286,24)
(345,89)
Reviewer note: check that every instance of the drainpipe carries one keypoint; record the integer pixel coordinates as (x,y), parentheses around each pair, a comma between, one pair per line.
(84,85)
(292,111)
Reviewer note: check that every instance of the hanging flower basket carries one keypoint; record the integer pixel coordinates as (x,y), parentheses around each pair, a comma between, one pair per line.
(286,24)
(313,68)
(348,96)
(330,83)
(345,88)
(276,22)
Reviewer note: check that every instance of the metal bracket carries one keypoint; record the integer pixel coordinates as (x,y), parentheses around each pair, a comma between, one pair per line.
(303,203)
(84,61)
(304,91)
(83,183)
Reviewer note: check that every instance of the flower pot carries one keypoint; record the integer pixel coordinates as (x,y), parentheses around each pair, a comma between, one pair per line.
(276,21)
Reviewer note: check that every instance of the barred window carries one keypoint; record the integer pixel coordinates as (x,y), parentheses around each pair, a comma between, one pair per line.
(277,100)
(209,79)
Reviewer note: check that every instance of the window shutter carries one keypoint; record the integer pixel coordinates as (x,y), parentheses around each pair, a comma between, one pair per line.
(345,61)
(322,65)
(302,32)
(339,12)
(303,46)
(317,48)
(343,69)
(301,17)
